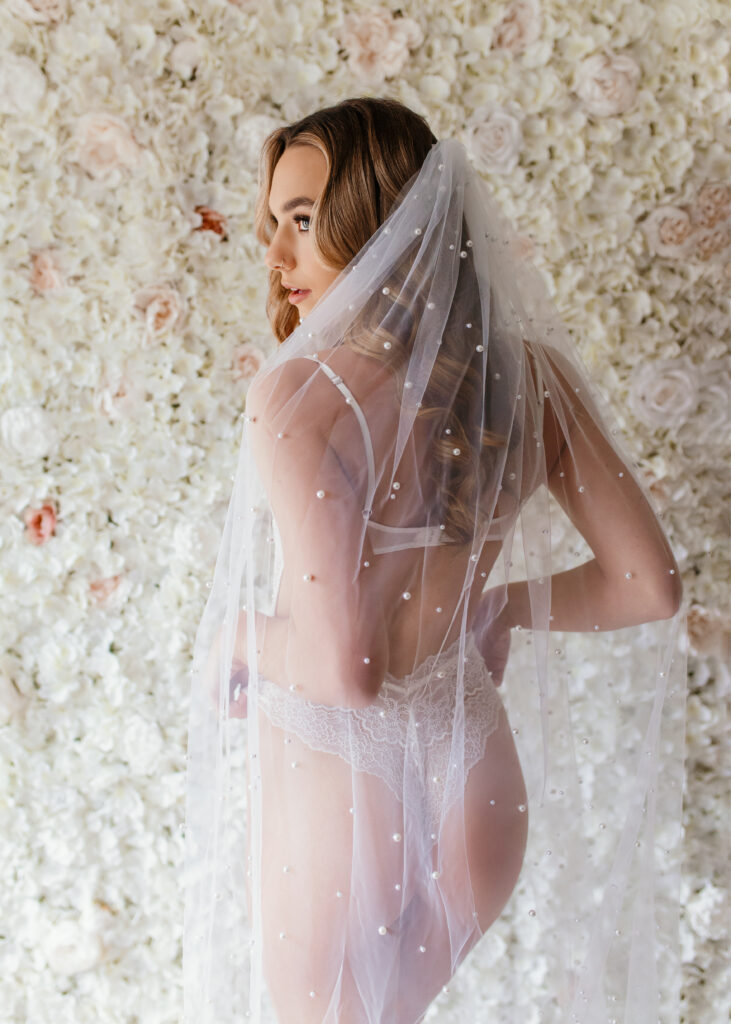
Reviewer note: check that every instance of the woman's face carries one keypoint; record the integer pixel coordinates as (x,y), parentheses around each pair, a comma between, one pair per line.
(299,177)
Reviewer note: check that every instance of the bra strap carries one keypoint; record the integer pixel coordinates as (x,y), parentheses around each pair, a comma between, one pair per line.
(342,387)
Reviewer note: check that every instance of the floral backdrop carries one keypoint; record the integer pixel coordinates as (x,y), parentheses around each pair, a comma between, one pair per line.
(133,319)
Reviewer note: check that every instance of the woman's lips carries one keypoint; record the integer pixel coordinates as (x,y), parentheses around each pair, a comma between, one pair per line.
(298,295)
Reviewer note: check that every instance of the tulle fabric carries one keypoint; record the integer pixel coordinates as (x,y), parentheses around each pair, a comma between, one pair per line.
(377,809)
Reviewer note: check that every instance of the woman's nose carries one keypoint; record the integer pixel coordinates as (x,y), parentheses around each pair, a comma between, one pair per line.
(274,257)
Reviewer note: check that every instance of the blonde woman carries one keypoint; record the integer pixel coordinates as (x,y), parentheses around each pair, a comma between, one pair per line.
(374,784)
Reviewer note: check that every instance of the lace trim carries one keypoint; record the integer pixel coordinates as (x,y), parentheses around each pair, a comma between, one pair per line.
(412,728)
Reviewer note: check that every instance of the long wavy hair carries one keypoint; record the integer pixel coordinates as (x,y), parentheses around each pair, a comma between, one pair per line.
(373,146)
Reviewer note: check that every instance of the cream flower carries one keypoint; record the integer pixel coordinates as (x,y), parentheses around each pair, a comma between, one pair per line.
(26,430)
(665,392)
(39,11)
(22,85)
(667,230)
(103,143)
(607,83)
(520,26)
(185,57)
(378,44)
(494,138)
(163,309)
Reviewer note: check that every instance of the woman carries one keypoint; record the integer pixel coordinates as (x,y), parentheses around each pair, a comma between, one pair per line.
(362,805)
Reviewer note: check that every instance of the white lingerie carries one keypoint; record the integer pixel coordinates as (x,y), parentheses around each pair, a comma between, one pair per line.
(385,736)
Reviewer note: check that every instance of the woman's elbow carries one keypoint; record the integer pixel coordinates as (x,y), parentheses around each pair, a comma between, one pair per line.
(669,596)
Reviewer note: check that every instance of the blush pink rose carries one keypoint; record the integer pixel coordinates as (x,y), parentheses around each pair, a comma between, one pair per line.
(607,83)
(103,589)
(521,26)
(116,396)
(378,44)
(162,306)
(40,523)
(246,360)
(667,230)
(212,220)
(709,632)
(712,204)
(45,275)
(707,242)
(104,143)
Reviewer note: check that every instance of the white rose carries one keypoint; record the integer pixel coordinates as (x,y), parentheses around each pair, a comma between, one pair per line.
(103,143)
(185,57)
(22,85)
(38,11)
(668,231)
(494,138)
(57,665)
(607,83)
(378,44)
(26,430)
(665,392)
(71,949)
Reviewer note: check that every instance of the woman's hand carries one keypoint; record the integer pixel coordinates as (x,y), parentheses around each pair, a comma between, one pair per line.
(491,629)
(238,685)
(239,671)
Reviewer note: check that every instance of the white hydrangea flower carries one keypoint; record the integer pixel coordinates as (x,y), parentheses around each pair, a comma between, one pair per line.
(22,85)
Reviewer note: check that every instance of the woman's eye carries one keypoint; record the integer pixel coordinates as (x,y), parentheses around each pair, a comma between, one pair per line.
(299,218)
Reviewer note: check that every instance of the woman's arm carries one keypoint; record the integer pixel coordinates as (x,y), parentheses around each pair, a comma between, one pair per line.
(633,576)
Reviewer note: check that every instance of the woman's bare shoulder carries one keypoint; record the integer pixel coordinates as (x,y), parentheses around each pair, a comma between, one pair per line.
(296,389)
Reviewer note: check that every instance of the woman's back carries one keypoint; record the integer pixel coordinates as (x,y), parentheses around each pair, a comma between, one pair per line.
(413,566)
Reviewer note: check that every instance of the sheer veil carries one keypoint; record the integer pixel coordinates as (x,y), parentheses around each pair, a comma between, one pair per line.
(377,788)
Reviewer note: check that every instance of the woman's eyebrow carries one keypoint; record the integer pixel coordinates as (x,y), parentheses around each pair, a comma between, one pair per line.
(297,201)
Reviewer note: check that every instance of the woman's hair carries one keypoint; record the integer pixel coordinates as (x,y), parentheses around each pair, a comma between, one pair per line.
(373,147)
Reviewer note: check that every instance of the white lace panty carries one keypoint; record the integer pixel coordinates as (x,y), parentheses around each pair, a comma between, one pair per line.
(409,727)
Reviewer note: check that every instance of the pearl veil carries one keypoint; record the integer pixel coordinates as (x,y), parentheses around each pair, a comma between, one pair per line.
(375,793)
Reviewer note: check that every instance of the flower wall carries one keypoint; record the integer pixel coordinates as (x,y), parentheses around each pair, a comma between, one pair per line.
(133,318)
